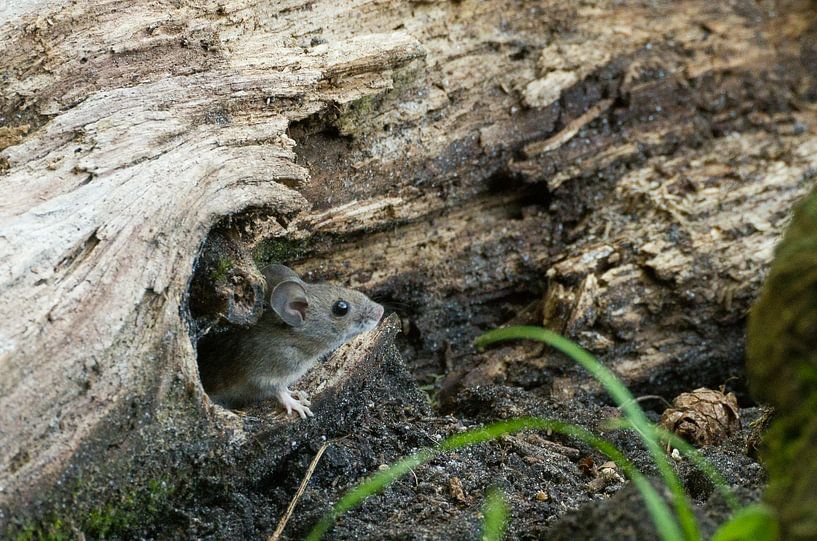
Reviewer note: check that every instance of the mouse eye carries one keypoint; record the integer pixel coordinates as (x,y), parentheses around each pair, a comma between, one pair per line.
(340,308)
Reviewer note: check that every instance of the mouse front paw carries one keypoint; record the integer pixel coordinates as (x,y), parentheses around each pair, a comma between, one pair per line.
(293,404)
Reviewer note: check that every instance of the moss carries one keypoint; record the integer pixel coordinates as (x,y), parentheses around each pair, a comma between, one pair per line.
(782,368)
(220,272)
(25,533)
(130,511)
(360,116)
(278,251)
(53,530)
(355,117)
(114,519)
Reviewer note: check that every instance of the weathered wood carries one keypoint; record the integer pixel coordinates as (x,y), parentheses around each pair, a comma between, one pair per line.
(146,133)
(639,159)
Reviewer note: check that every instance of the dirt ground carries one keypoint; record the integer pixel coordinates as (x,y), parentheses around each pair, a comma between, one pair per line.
(425,381)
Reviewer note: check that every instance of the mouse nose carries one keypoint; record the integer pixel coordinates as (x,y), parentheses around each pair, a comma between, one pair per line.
(378,312)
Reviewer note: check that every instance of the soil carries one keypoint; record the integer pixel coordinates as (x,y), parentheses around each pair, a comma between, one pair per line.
(424,381)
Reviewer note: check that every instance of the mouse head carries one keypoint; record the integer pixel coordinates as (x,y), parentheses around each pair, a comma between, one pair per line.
(325,313)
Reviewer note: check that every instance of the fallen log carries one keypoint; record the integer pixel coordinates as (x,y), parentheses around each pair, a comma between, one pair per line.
(628,167)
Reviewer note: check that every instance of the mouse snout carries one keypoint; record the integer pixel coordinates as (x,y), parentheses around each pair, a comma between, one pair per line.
(368,318)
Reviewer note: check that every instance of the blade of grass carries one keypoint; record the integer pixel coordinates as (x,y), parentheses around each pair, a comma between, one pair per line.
(660,513)
(755,522)
(623,398)
(702,464)
(495,512)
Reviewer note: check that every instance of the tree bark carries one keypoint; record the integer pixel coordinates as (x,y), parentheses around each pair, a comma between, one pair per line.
(628,165)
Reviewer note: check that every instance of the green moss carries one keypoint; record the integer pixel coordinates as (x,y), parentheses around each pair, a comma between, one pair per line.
(360,116)
(782,368)
(355,117)
(220,272)
(55,530)
(114,519)
(278,251)
(26,533)
(130,511)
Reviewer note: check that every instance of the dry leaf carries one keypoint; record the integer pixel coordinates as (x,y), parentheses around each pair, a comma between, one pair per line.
(456,490)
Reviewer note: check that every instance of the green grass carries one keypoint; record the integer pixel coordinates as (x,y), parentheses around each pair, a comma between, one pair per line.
(752,523)
(380,480)
(495,512)
(694,456)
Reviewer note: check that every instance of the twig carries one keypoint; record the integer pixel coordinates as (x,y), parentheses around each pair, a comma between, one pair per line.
(575,125)
(650,397)
(416,482)
(309,471)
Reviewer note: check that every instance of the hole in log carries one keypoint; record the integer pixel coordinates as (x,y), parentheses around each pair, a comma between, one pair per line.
(240,320)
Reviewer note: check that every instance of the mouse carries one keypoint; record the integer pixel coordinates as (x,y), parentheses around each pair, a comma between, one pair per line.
(301,324)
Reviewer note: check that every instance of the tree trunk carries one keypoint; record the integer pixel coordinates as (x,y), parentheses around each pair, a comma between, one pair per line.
(618,171)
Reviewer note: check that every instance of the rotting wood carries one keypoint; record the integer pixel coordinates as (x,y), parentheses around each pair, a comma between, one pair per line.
(143,132)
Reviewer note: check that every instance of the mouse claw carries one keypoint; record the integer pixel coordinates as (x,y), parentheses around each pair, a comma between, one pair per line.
(292,404)
(305,411)
(302,410)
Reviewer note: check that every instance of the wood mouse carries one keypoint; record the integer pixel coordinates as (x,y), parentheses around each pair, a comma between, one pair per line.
(302,323)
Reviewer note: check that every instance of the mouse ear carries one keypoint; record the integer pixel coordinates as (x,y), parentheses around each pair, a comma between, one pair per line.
(288,299)
(275,274)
